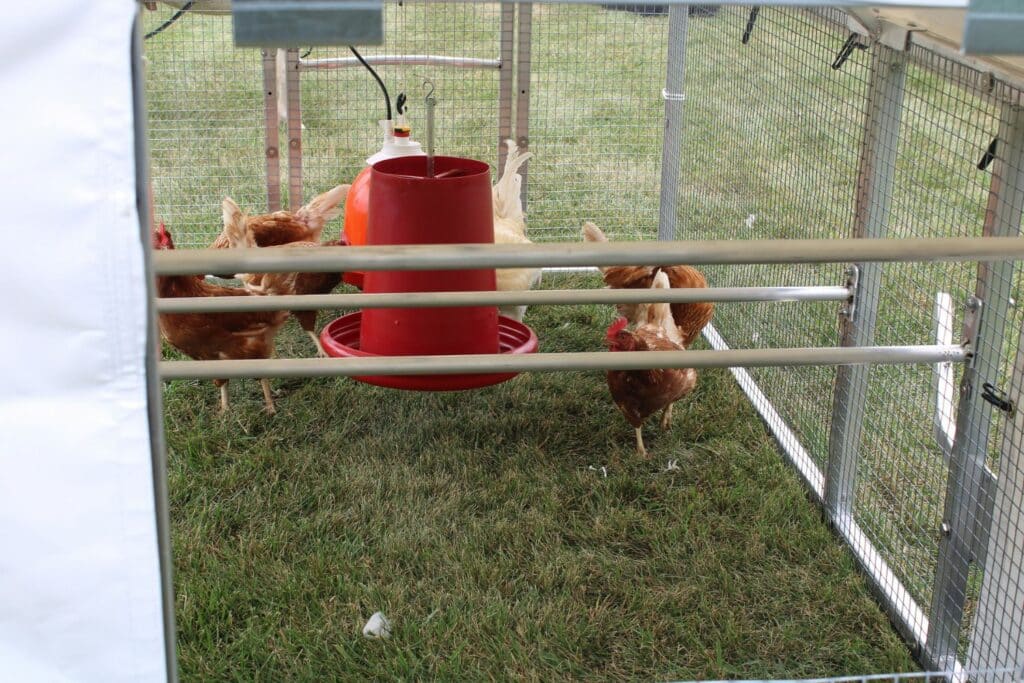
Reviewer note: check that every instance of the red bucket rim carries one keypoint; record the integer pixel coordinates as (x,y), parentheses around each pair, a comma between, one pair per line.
(513,338)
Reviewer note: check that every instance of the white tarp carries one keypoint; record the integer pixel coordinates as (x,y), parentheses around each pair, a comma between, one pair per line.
(80,595)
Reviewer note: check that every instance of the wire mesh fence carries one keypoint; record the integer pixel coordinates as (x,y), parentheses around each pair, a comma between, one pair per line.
(888,144)
(782,137)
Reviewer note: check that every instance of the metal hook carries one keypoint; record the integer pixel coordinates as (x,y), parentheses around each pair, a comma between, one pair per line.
(429,95)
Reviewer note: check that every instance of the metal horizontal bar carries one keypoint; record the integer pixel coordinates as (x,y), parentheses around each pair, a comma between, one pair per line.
(647,253)
(327,63)
(531,298)
(557,362)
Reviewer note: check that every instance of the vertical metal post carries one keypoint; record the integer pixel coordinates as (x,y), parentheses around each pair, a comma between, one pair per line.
(997,640)
(671,145)
(523,87)
(506,80)
(154,387)
(294,130)
(966,517)
(271,135)
(874,189)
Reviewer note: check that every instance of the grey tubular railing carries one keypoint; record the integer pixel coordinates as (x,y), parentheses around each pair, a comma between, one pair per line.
(557,362)
(653,253)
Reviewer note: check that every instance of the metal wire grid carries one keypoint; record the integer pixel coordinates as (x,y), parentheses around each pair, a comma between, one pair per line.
(770,150)
(205,123)
(749,112)
(990,675)
(936,190)
(596,121)
(341,107)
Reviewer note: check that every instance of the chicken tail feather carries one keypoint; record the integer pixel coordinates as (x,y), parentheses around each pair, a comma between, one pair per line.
(592,233)
(234,225)
(660,315)
(505,193)
(323,208)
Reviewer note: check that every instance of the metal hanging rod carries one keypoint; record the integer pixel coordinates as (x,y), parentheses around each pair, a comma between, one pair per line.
(327,63)
(311,302)
(559,362)
(649,253)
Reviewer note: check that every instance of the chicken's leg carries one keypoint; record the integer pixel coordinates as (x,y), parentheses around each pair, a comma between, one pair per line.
(666,416)
(319,347)
(640,442)
(265,383)
(224,397)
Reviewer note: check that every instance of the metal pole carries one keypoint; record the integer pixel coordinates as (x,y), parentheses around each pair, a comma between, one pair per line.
(996,638)
(154,391)
(313,302)
(506,81)
(649,253)
(874,189)
(557,362)
(331,63)
(671,145)
(292,79)
(271,135)
(967,514)
(524,47)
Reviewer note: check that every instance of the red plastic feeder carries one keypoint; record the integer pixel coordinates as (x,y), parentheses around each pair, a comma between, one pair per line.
(406,207)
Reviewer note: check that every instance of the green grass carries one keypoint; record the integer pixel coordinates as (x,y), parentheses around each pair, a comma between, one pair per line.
(473,520)
(276,520)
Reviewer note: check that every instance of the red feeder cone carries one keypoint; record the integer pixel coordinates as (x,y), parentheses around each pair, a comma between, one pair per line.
(406,207)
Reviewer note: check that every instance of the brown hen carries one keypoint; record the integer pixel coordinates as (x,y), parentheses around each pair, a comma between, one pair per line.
(215,336)
(641,393)
(238,232)
(690,318)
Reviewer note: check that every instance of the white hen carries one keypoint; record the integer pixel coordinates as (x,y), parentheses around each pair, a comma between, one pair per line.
(510,228)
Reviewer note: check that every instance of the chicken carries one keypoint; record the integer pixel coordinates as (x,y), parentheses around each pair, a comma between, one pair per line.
(215,336)
(641,393)
(285,227)
(510,228)
(690,318)
(238,232)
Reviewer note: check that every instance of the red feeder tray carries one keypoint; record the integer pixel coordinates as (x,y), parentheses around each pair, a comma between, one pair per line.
(340,339)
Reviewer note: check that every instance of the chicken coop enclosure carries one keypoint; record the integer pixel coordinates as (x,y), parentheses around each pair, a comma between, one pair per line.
(710,122)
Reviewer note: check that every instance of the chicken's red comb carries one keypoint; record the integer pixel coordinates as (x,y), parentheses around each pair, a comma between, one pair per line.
(618,326)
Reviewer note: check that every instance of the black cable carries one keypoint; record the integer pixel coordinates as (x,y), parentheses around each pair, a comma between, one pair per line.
(387,98)
(306,53)
(174,17)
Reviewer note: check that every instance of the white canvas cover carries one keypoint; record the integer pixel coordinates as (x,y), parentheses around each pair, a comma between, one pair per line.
(80,591)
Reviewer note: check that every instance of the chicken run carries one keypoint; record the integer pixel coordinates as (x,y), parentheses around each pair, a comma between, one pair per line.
(887,373)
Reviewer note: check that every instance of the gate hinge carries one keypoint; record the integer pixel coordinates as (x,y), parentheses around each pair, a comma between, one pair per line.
(972,325)
(849,309)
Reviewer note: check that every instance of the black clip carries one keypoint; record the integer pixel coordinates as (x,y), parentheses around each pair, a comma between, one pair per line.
(996,398)
(989,155)
(750,24)
(844,54)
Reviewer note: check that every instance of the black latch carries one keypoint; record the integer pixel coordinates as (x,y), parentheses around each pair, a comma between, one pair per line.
(997,398)
(989,155)
(852,42)
(750,24)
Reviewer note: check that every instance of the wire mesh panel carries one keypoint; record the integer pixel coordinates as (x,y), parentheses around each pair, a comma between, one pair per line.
(770,150)
(206,115)
(341,105)
(785,139)
(596,120)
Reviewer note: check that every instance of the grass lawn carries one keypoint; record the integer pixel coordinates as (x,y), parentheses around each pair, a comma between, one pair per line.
(473,520)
